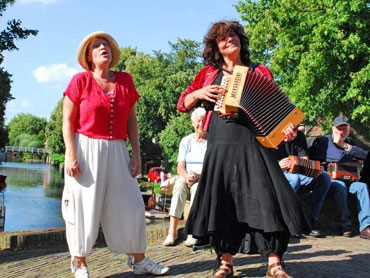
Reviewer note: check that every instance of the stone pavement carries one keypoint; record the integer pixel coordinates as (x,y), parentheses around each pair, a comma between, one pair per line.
(330,257)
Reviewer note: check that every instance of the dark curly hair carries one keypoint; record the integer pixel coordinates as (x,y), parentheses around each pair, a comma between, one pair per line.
(220,30)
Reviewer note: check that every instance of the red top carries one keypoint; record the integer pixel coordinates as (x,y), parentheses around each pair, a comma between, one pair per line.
(100,116)
(204,78)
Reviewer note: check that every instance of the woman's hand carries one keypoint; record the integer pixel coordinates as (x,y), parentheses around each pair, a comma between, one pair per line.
(290,133)
(285,163)
(192,178)
(135,164)
(210,93)
(72,166)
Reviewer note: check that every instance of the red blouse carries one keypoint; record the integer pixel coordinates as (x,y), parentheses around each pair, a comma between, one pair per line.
(204,78)
(100,116)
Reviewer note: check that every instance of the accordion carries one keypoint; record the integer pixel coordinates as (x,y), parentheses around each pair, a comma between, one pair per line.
(310,168)
(267,110)
(345,171)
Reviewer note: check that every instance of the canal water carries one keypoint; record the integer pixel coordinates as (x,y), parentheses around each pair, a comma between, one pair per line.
(33,195)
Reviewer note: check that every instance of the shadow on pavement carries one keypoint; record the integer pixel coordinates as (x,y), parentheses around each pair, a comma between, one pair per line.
(7,256)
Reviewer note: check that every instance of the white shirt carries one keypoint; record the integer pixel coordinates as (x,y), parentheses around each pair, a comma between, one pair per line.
(192,153)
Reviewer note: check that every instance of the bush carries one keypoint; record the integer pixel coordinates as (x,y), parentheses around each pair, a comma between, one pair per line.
(57,159)
(35,144)
(27,156)
(157,189)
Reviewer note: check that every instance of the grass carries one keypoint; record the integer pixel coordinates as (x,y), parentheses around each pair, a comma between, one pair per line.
(148,186)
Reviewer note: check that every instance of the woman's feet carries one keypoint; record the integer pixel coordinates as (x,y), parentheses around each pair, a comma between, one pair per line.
(170,240)
(79,267)
(147,266)
(224,266)
(190,241)
(82,272)
(225,270)
(276,270)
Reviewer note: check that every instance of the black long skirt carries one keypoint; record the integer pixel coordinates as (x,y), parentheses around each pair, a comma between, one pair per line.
(242,187)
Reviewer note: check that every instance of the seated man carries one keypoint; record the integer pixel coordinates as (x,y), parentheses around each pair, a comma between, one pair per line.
(189,166)
(337,147)
(320,184)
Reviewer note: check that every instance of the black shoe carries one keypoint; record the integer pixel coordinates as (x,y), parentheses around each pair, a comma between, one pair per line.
(316,233)
(296,236)
(202,244)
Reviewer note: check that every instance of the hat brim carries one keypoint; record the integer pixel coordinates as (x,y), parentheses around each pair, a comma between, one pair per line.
(82,48)
(339,124)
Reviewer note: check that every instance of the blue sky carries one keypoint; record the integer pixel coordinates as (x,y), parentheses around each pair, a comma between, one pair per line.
(44,64)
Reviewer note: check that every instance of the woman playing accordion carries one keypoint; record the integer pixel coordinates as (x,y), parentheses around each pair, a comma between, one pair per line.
(242,188)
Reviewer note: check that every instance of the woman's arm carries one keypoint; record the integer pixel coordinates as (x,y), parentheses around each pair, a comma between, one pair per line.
(199,89)
(181,169)
(209,93)
(133,135)
(69,117)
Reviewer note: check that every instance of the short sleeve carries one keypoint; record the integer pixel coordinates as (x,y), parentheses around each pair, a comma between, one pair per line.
(182,149)
(134,95)
(73,89)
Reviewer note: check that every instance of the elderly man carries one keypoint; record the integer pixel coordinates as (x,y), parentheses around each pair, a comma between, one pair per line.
(337,147)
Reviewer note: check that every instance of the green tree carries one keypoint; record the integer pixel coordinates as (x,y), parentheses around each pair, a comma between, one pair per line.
(178,127)
(26,124)
(22,140)
(53,130)
(13,32)
(319,52)
(159,78)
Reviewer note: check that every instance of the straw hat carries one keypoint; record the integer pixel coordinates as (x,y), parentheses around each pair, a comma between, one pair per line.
(82,48)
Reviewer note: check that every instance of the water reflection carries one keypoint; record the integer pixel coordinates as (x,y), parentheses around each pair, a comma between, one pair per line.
(32,196)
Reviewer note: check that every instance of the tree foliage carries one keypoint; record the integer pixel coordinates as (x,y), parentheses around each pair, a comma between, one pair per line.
(159,78)
(170,137)
(5,95)
(27,140)
(13,32)
(319,52)
(26,124)
(53,130)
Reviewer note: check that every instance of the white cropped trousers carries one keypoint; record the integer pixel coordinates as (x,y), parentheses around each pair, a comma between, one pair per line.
(106,193)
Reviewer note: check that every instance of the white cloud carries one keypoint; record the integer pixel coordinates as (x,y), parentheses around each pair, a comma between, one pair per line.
(54,73)
(47,2)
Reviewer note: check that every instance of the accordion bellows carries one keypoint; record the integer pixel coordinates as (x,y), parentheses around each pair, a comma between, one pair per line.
(267,110)
(345,171)
(309,168)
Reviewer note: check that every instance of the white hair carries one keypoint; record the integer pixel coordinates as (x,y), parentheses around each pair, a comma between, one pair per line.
(200,111)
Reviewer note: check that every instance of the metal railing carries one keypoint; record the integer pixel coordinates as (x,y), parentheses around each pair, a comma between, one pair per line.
(11,149)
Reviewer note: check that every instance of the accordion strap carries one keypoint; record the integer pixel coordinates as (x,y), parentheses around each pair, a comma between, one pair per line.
(253,66)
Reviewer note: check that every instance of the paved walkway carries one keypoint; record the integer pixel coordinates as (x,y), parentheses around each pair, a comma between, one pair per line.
(330,257)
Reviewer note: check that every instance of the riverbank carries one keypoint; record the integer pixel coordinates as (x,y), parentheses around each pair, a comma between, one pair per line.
(32,196)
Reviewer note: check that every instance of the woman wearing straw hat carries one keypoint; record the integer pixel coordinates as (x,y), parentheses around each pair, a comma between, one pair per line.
(100,186)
